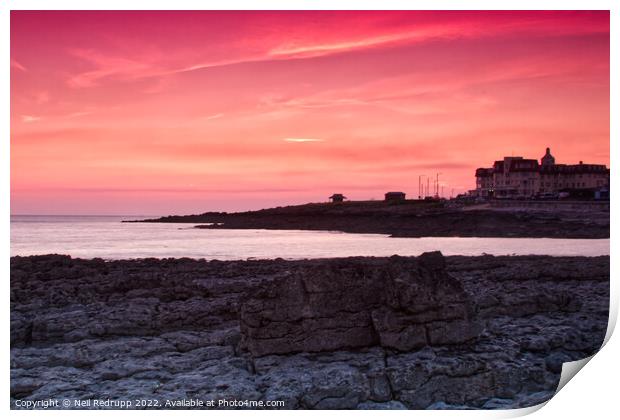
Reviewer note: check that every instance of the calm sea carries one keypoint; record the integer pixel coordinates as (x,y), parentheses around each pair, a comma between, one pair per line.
(106,237)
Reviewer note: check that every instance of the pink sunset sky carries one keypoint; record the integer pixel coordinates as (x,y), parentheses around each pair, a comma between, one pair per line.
(184,112)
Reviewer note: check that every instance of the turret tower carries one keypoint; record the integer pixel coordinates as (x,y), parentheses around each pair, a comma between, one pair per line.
(547,159)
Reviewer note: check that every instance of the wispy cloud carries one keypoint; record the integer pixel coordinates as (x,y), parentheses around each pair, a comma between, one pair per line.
(302,140)
(17,65)
(309,48)
(214,116)
(108,66)
(122,68)
(307,42)
(314,50)
(78,114)
(419,34)
(30,118)
(215,64)
(33,118)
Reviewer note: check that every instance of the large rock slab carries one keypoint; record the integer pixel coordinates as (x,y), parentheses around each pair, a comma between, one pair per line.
(398,303)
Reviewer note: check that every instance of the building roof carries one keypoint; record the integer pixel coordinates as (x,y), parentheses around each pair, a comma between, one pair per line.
(523,165)
(518,164)
(582,168)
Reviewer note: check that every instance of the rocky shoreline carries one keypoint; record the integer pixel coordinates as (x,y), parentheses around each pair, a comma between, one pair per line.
(413,219)
(357,333)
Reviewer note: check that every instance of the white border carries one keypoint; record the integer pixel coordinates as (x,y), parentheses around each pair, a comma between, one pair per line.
(592,395)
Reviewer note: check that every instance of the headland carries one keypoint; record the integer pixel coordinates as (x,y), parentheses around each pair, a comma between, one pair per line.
(420,218)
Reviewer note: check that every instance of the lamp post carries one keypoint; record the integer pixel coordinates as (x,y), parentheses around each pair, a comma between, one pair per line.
(420,187)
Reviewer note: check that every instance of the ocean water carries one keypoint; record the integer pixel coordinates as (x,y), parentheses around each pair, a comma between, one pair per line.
(106,237)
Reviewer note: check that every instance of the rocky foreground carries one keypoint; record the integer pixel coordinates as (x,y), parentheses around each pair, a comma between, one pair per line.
(355,333)
(416,219)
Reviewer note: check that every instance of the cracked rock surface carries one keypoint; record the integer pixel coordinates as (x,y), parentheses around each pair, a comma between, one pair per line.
(398,303)
(358,333)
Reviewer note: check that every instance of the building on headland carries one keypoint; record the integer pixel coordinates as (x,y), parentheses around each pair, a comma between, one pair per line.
(394,196)
(516,177)
(337,198)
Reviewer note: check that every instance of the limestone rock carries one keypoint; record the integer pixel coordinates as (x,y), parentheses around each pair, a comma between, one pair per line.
(398,303)
(171,329)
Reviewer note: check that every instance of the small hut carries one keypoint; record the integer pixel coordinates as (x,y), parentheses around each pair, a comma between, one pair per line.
(337,198)
(394,196)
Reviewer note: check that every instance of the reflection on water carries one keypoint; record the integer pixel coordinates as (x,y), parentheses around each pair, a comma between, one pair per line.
(106,237)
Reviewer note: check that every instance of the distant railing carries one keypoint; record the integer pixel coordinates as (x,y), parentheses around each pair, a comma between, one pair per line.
(600,205)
